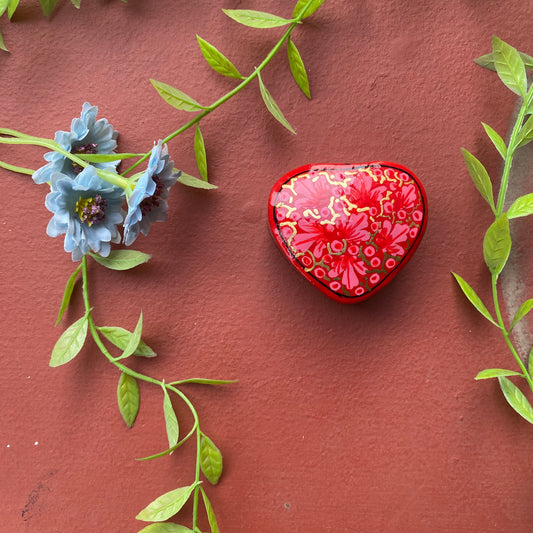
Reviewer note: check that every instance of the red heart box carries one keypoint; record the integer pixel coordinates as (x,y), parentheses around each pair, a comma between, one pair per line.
(348,229)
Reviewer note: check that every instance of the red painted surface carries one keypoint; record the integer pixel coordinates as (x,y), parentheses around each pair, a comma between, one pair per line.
(345,418)
(348,229)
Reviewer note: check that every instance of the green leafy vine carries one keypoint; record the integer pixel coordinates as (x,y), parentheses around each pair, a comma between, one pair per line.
(97,193)
(511,66)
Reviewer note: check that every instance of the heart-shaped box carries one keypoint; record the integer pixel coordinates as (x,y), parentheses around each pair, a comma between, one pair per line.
(348,229)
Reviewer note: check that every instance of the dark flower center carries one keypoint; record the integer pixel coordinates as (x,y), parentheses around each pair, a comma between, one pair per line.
(152,201)
(91,210)
(89,148)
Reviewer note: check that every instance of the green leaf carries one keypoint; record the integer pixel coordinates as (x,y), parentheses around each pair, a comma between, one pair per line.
(121,259)
(176,98)
(166,505)
(487,61)
(120,337)
(521,207)
(300,5)
(210,513)
(70,343)
(480,177)
(509,66)
(474,299)
(2,44)
(47,6)
(256,19)
(497,244)
(496,372)
(199,153)
(203,381)
(530,362)
(165,527)
(210,460)
(523,310)
(128,397)
(3,6)
(297,68)
(525,135)
(134,340)
(191,181)
(69,287)
(76,3)
(217,60)
(171,422)
(11,7)
(516,399)
(498,142)
(272,106)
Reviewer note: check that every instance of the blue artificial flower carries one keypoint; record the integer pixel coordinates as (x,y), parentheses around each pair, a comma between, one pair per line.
(87,136)
(147,203)
(87,210)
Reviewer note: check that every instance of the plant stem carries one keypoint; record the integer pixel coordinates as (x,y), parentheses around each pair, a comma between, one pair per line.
(509,161)
(196,426)
(499,210)
(196,480)
(13,168)
(510,152)
(110,177)
(505,333)
(231,93)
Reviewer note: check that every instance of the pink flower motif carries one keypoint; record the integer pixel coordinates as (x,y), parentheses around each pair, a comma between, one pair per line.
(392,238)
(335,286)
(375,262)
(353,229)
(313,236)
(417,216)
(306,260)
(405,198)
(349,269)
(374,278)
(363,191)
(315,194)
(319,272)
(369,251)
(390,263)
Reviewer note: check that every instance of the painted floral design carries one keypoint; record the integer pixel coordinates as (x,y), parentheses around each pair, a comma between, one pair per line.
(349,228)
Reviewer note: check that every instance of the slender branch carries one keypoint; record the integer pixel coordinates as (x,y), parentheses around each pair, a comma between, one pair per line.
(499,209)
(13,168)
(113,360)
(231,93)
(110,177)
(505,333)
(196,480)
(508,161)
(511,150)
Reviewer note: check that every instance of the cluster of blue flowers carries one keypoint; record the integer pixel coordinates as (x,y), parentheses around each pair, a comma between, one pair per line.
(88,209)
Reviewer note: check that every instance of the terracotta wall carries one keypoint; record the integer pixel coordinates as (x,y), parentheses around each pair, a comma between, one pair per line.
(361,418)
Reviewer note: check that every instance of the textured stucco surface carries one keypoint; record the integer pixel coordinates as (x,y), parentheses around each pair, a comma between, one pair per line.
(345,418)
